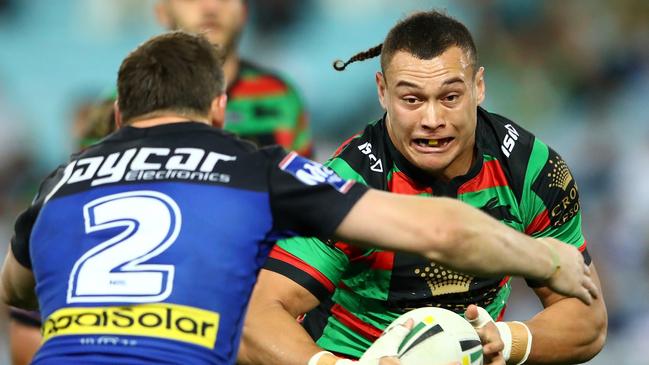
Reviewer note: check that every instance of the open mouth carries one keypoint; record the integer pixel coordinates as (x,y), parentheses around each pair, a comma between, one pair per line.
(440,142)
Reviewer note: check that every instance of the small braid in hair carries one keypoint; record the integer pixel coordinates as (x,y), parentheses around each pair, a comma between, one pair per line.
(339,65)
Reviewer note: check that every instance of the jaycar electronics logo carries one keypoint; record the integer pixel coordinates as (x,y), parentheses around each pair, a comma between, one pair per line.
(313,173)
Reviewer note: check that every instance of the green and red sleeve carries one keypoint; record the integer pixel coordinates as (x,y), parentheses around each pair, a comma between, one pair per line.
(550,203)
(310,262)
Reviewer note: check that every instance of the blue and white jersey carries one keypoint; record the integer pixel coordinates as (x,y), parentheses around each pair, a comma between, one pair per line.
(146,246)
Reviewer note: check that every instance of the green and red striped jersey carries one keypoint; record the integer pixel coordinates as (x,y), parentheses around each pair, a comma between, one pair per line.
(516,178)
(265,109)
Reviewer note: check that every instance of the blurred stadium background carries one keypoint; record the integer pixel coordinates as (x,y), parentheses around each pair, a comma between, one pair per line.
(576,73)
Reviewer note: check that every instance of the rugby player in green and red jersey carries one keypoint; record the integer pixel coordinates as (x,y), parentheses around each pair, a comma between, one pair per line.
(262,106)
(434,140)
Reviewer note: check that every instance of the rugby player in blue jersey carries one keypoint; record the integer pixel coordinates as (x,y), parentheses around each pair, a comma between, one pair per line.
(144,248)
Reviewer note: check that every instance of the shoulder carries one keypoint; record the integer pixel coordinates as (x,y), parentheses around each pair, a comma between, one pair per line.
(362,156)
(509,144)
(501,137)
(524,154)
(508,141)
(373,134)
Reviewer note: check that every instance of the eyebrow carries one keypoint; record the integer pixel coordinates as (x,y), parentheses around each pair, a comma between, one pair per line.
(404,83)
(407,84)
(453,81)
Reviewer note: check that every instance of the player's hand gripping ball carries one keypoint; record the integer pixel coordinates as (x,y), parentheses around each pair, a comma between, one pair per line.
(438,337)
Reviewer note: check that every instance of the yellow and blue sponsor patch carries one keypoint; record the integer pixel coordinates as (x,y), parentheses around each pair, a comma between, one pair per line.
(160,320)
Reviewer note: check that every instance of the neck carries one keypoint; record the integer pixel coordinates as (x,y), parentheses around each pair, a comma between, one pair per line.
(231,67)
(165,119)
(461,165)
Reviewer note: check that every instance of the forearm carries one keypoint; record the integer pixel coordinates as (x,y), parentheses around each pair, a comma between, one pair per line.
(273,336)
(487,247)
(446,231)
(271,333)
(554,335)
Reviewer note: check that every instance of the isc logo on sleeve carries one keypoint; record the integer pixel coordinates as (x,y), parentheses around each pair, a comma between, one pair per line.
(313,173)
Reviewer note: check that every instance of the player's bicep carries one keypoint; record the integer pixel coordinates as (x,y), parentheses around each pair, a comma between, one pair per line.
(17,284)
(365,223)
(308,198)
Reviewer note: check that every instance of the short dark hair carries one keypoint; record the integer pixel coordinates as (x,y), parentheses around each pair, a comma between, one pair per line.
(425,35)
(175,71)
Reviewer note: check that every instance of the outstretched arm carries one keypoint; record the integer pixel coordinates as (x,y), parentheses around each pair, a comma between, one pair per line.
(465,239)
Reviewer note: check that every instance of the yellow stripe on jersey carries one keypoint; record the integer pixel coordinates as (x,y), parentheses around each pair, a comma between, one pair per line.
(162,320)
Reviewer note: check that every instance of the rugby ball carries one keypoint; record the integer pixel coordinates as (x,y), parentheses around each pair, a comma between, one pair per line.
(438,337)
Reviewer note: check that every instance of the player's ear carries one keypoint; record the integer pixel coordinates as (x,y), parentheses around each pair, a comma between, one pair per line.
(480,87)
(118,115)
(380,88)
(162,14)
(217,110)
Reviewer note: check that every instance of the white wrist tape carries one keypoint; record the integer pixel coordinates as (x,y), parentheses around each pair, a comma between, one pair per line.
(506,337)
(518,344)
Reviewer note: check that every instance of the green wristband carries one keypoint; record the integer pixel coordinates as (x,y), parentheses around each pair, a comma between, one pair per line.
(556,263)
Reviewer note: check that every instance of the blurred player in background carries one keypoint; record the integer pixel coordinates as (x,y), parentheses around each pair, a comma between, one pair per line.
(262,106)
(144,248)
(94,123)
(434,140)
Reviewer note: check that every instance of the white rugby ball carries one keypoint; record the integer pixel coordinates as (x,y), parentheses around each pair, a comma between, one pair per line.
(438,337)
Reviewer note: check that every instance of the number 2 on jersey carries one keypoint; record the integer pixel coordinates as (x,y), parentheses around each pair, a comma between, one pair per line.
(114,270)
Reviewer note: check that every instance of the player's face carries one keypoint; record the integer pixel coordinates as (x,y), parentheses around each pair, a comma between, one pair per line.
(221,21)
(432,109)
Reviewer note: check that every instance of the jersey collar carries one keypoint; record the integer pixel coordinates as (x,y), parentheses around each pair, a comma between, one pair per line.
(128,132)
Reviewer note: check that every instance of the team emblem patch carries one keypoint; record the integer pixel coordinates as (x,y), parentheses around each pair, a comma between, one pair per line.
(313,173)
(558,190)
